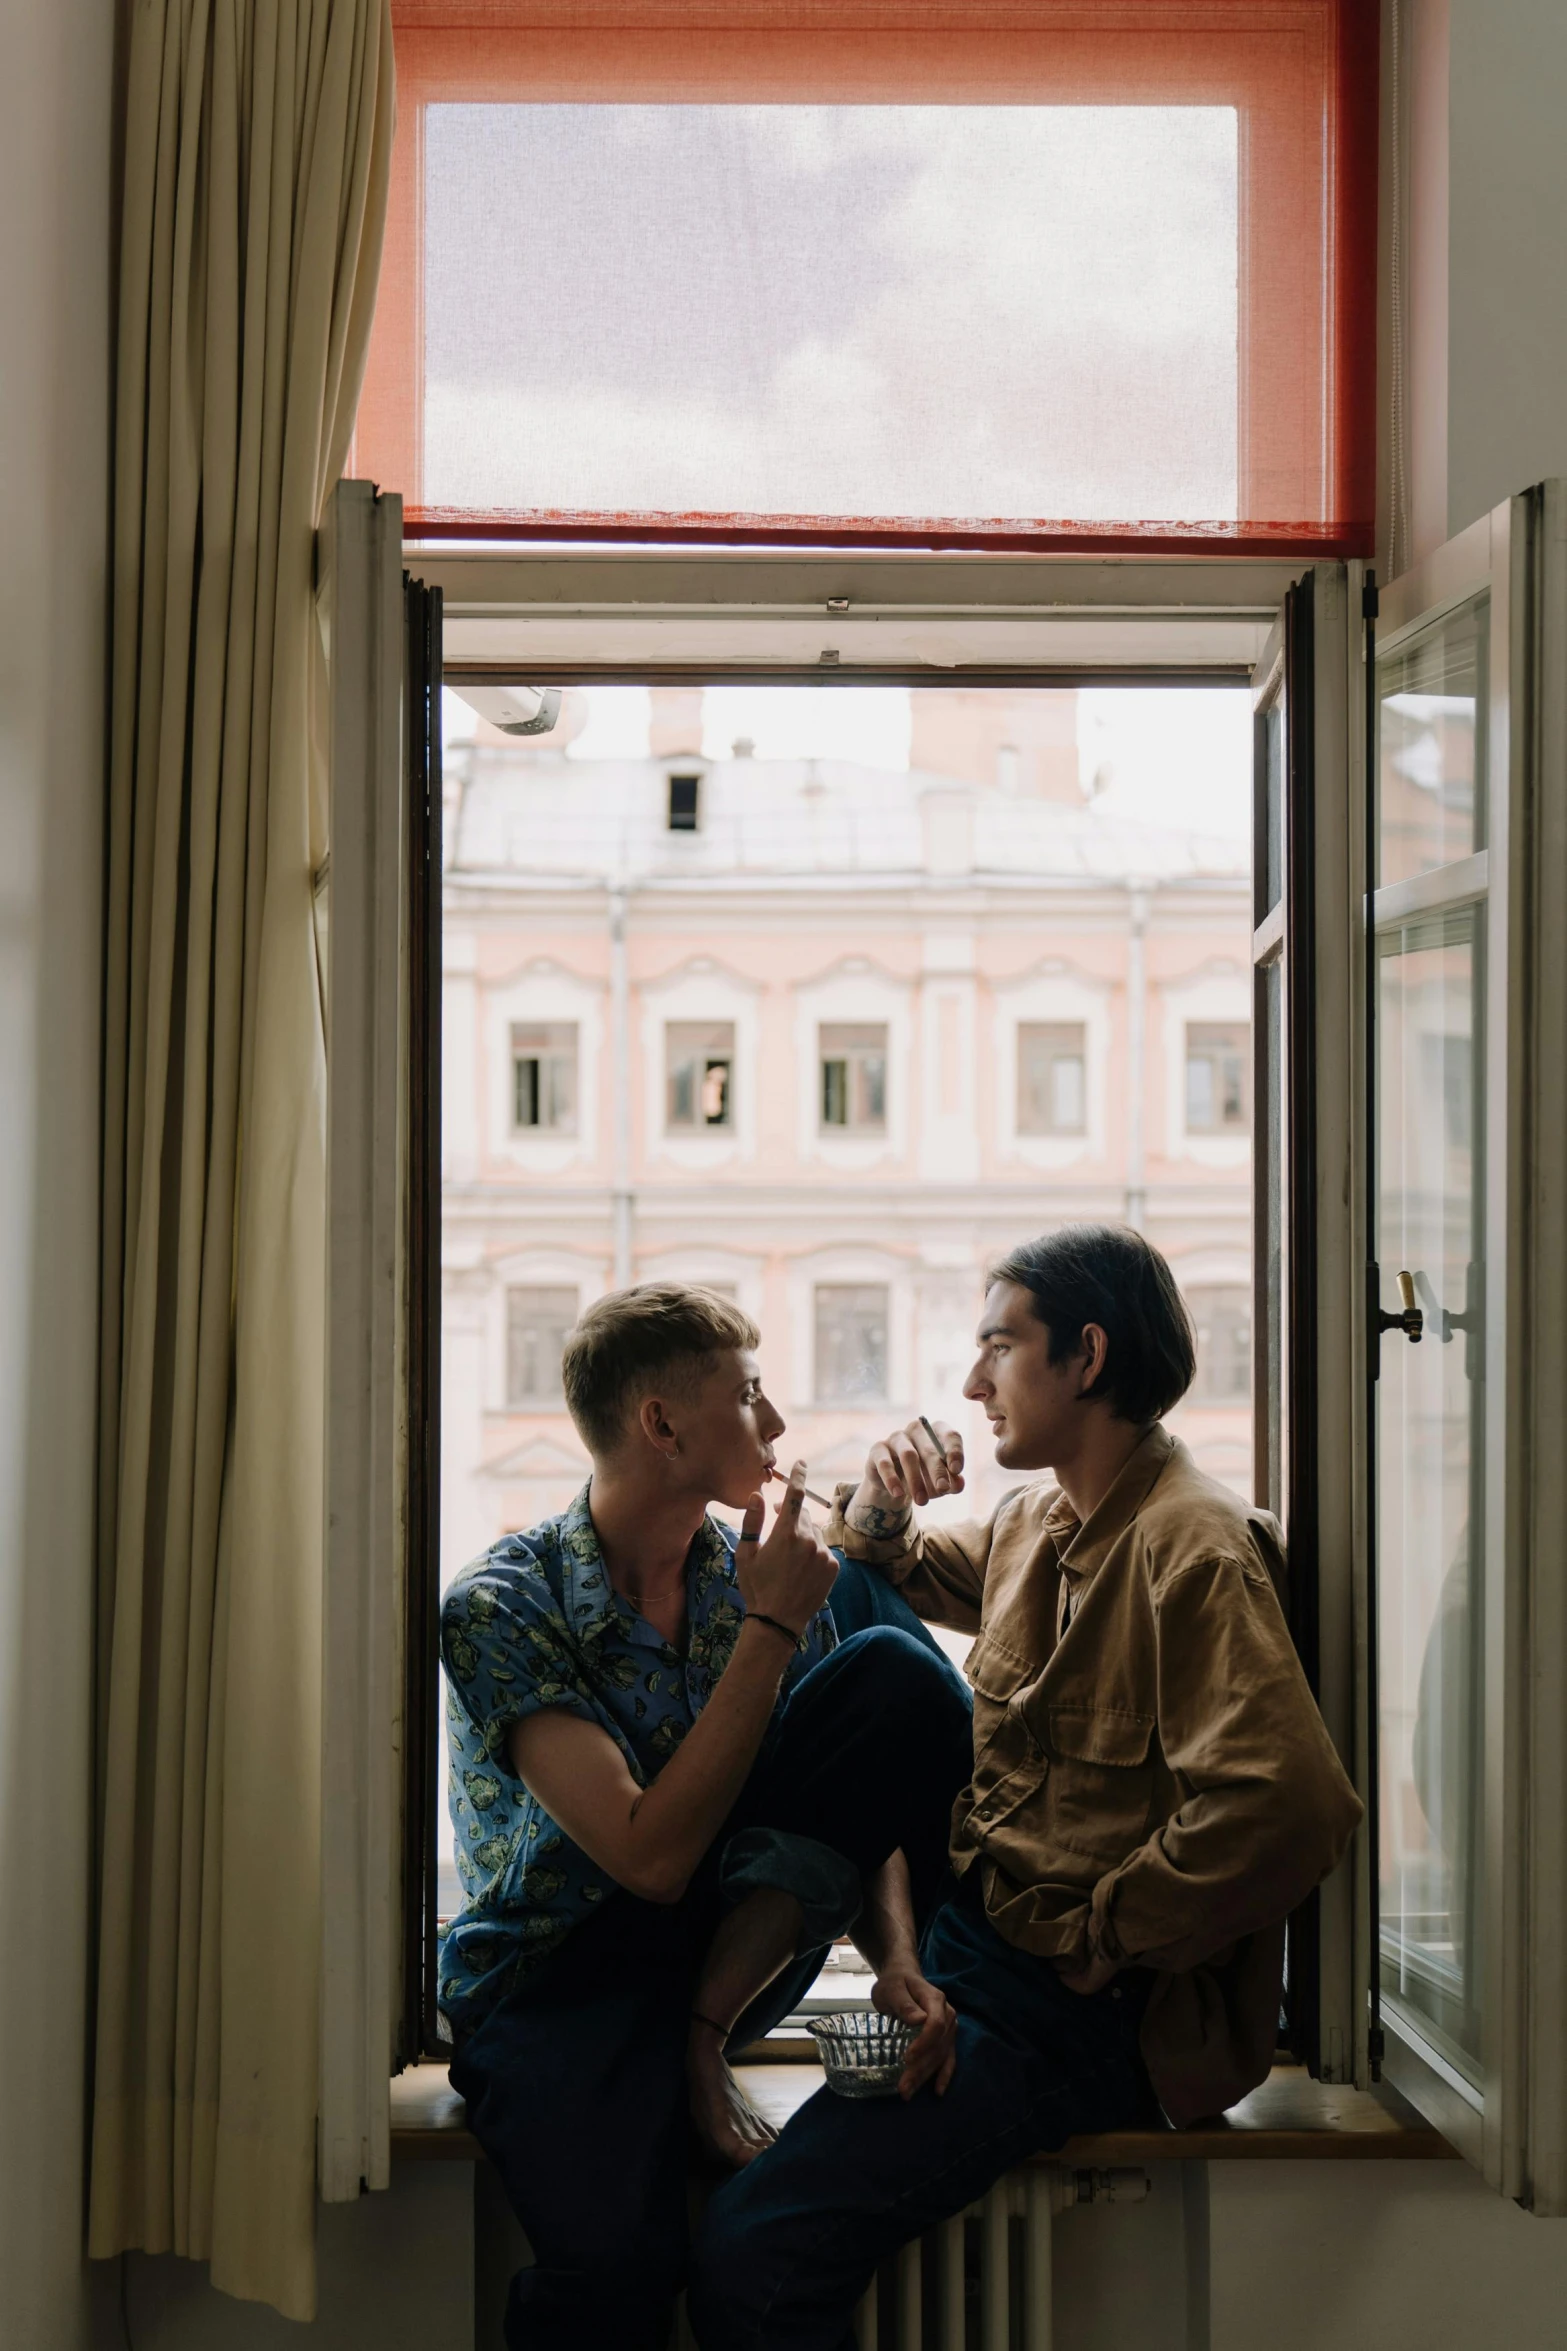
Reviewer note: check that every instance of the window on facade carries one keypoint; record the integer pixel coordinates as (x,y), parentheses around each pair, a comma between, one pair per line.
(851,1342)
(544,1076)
(854,1077)
(1052,1078)
(699,1060)
(1221,1316)
(537,1321)
(1218,1078)
(683,791)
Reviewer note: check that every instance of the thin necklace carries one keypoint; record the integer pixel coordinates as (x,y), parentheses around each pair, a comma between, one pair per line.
(640,1599)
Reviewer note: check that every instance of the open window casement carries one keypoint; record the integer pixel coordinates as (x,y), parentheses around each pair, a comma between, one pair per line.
(1410,1042)
(1406,998)
(382,638)
(1467,1297)
(1308,1050)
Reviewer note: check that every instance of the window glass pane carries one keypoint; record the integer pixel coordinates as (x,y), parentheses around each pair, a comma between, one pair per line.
(544,1075)
(537,1321)
(1431,729)
(1051,1070)
(1066,1094)
(1221,1317)
(1218,1077)
(1053,274)
(854,1076)
(683,791)
(1430,1399)
(827,310)
(699,1065)
(851,1341)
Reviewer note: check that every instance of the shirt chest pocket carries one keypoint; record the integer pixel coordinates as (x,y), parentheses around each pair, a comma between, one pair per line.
(1100,1780)
(997,1673)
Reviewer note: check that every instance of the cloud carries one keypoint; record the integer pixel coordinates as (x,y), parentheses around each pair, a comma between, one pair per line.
(923,311)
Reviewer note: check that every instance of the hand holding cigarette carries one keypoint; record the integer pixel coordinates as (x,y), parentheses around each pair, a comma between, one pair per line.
(911,1467)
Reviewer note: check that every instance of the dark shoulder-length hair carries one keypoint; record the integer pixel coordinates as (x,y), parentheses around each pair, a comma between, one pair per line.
(1108,1274)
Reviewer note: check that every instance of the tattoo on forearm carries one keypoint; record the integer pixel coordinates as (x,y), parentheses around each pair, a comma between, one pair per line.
(879,1522)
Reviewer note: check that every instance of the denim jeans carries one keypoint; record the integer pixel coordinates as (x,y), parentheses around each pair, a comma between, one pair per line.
(790,2244)
(575,2083)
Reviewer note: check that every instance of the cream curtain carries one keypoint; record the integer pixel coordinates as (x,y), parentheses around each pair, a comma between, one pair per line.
(257,142)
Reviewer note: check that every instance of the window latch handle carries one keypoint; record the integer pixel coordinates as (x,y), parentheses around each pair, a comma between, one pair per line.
(1411,1322)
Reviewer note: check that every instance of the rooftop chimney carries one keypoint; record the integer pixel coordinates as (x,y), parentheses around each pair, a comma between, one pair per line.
(675,729)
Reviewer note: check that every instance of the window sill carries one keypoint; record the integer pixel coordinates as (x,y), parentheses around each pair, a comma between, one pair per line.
(1291,2119)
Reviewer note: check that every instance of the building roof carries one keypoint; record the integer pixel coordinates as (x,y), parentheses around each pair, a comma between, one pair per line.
(544,817)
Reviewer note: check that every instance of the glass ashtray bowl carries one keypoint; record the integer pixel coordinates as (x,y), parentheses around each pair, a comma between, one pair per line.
(862,2052)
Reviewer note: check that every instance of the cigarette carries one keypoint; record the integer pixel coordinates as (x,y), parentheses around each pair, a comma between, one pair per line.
(820,1500)
(935,1440)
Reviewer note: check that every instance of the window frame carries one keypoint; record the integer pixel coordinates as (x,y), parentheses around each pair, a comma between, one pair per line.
(820,1400)
(1053,1131)
(1511,2124)
(513,1400)
(708,1058)
(855,1058)
(528,54)
(1209,1049)
(740,618)
(559,1128)
(1195,1395)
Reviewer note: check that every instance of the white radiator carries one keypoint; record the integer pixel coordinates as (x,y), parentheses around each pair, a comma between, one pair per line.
(935,2295)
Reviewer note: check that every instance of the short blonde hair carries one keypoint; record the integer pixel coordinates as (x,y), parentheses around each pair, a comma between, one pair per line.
(631,1341)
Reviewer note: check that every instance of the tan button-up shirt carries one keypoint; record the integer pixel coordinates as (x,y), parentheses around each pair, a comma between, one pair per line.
(1152,1780)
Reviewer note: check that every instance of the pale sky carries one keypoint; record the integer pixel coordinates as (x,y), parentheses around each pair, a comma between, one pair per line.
(1176,756)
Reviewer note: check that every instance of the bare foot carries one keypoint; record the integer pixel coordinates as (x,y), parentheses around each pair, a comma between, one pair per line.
(723,2117)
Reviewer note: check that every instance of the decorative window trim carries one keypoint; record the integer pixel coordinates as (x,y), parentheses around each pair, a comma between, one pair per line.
(541,991)
(849,1264)
(745,1273)
(1220,991)
(527,1269)
(852,990)
(1054,991)
(701,988)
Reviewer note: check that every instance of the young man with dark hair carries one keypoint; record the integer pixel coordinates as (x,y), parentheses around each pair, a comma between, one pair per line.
(672,1786)
(1153,1792)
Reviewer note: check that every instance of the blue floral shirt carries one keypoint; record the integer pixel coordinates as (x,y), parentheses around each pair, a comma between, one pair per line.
(535,1623)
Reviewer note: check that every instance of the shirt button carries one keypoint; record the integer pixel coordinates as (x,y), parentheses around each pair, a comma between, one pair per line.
(983,1811)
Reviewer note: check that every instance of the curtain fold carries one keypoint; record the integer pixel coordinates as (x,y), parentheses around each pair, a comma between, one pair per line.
(258,142)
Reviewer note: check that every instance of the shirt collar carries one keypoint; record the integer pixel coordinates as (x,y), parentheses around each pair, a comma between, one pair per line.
(586,1592)
(1082,1545)
(590,1599)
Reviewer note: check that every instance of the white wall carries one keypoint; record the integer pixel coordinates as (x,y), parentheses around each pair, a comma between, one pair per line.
(1486,105)
(54,424)
(1378,2257)
(395,2274)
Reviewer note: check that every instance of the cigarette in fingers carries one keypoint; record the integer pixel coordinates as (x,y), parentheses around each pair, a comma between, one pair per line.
(820,1500)
(938,1443)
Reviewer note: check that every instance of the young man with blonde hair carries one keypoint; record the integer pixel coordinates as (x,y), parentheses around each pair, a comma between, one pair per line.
(1152,1792)
(672,1786)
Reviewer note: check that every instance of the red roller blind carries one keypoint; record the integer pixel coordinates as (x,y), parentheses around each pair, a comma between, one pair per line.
(1037,275)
